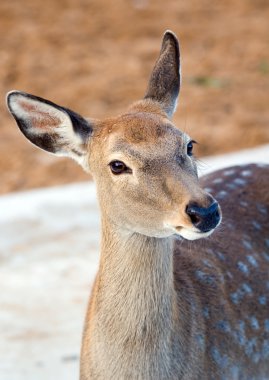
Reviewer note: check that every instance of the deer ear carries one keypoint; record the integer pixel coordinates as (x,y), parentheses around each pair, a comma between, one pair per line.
(49,126)
(164,83)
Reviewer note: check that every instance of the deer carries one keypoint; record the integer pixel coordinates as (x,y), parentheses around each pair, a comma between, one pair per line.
(182,289)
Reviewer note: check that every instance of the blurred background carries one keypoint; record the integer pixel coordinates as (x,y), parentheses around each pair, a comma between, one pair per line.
(95,57)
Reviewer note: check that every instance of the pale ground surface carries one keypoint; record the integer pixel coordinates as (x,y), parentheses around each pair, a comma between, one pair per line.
(49,255)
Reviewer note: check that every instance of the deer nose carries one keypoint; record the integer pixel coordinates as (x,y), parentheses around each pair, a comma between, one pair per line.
(204,218)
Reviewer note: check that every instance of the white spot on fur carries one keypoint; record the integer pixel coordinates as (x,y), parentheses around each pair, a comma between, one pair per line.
(229,274)
(240,181)
(205,278)
(228,172)
(246,173)
(247,244)
(220,255)
(256,225)
(262,300)
(266,325)
(254,323)
(261,208)
(218,180)
(243,267)
(231,186)
(241,292)
(252,261)
(222,360)
(222,194)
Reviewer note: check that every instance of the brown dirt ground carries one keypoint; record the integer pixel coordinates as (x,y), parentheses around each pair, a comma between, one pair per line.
(95,57)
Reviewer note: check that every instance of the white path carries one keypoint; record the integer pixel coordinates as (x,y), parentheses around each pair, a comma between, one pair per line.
(48,258)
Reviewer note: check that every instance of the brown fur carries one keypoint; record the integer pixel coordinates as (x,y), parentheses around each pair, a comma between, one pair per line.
(163,307)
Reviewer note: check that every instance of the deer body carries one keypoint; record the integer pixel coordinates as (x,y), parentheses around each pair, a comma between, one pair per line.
(165,303)
(202,306)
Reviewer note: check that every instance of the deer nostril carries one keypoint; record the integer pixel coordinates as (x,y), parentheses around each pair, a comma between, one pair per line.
(194,216)
(216,214)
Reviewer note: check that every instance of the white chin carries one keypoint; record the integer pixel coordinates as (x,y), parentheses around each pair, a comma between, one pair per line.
(193,235)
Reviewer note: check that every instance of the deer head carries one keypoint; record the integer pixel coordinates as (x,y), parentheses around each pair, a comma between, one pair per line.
(143,165)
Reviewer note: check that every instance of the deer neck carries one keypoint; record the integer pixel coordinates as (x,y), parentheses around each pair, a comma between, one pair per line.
(137,272)
(134,302)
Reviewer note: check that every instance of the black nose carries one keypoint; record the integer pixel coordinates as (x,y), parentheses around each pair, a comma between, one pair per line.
(205,219)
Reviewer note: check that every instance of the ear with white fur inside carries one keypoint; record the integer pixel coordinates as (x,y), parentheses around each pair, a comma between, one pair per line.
(53,128)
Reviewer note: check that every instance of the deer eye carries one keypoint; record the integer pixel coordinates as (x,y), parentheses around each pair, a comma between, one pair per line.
(190,147)
(119,167)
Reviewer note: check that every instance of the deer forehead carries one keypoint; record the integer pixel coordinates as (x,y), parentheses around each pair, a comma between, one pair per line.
(142,137)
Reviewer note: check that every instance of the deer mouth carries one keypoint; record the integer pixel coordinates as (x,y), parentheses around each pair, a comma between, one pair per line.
(192,234)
